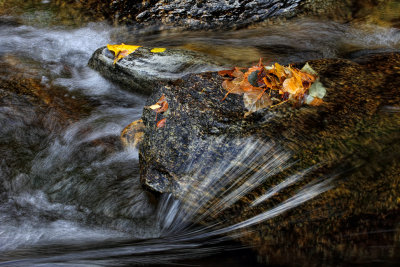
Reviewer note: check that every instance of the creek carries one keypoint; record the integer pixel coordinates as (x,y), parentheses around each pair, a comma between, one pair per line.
(69,191)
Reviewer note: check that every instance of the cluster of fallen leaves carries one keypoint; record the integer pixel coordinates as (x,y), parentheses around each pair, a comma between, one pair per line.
(160,107)
(270,86)
(122,50)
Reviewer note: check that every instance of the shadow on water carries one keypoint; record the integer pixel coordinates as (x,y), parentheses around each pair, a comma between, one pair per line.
(70,192)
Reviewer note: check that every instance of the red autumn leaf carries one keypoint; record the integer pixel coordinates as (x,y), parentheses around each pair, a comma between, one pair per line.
(226,73)
(162,98)
(161,123)
(163,108)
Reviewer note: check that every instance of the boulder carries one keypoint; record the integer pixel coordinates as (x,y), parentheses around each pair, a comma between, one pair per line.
(352,137)
(140,70)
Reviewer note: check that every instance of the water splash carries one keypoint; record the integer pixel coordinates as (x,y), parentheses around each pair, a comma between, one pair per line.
(208,195)
(205,195)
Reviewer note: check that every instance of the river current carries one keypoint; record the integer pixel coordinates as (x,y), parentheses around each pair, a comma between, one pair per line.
(69,191)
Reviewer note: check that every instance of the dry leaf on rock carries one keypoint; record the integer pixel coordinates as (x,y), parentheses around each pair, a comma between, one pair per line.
(254,101)
(158,50)
(155,106)
(316,102)
(161,123)
(122,50)
(273,85)
(161,106)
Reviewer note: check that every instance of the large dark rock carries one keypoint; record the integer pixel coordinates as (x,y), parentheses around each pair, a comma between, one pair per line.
(354,136)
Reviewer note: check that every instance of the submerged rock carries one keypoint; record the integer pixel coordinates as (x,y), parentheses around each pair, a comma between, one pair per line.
(19,82)
(354,136)
(140,70)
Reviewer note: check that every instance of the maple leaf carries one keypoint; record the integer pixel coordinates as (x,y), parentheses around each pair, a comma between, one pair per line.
(122,50)
(233,86)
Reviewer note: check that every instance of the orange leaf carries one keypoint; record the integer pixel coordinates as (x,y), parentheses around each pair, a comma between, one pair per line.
(316,102)
(238,73)
(163,108)
(161,123)
(279,71)
(226,73)
(162,98)
(290,85)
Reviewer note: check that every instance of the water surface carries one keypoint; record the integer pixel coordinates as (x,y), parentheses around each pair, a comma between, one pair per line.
(69,191)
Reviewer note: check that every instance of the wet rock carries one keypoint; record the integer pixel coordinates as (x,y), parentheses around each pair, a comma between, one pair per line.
(200,15)
(354,136)
(140,70)
(227,14)
(221,14)
(194,113)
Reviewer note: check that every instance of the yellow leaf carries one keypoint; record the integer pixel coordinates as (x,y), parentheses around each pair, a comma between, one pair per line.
(158,50)
(279,71)
(122,50)
(155,106)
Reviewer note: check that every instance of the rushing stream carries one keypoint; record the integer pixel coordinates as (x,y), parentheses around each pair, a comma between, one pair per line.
(70,192)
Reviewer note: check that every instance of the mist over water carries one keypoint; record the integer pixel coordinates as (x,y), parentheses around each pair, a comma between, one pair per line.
(70,192)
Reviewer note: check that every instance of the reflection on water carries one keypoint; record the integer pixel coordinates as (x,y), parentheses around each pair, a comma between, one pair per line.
(294,41)
(69,191)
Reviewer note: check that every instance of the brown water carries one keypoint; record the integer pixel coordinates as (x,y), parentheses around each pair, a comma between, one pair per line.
(69,191)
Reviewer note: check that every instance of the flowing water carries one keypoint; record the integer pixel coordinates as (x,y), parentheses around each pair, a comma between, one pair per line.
(70,192)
